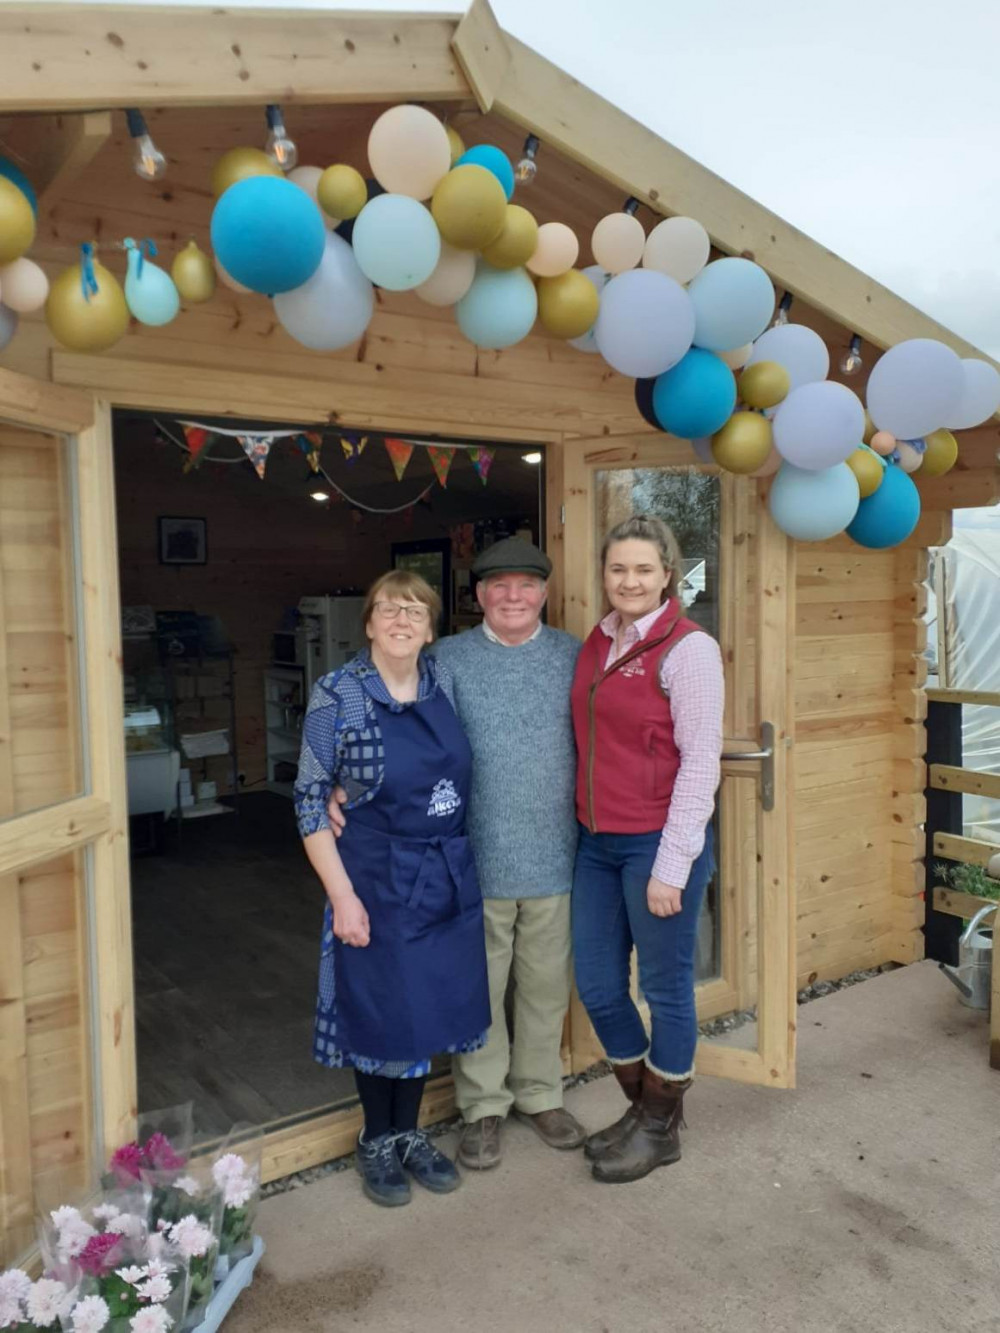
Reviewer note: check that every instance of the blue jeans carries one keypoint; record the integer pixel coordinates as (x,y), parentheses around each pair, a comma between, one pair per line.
(610,915)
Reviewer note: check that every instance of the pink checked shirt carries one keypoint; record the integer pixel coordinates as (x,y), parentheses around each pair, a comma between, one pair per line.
(691,674)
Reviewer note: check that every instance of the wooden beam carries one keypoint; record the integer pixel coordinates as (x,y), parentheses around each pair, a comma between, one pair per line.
(955,903)
(482,51)
(593,132)
(985,698)
(43,834)
(54,150)
(947,777)
(968,850)
(71,57)
(43,406)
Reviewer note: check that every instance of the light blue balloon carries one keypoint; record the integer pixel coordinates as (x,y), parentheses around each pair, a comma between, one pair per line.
(493,159)
(268,234)
(696,397)
(887,516)
(733,302)
(499,308)
(814,506)
(597,277)
(9,320)
(334,307)
(396,242)
(149,292)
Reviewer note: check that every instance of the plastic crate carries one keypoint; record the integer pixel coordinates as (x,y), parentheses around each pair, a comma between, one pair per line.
(237,1280)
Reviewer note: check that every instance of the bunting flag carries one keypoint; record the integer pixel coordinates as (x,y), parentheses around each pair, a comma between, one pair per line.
(482,461)
(257,448)
(400,452)
(353,445)
(441,457)
(309,444)
(197,437)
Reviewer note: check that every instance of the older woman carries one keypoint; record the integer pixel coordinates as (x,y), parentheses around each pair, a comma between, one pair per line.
(647,712)
(403,960)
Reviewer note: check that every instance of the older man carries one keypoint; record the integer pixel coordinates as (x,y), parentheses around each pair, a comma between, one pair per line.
(512,681)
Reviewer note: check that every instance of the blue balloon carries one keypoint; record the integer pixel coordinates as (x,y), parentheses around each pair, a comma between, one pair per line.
(396,242)
(499,308)
(889,515)
(268,234)
(149,292)
(733,301)
(812,506)
(493,159)
(696,397)
(17,177)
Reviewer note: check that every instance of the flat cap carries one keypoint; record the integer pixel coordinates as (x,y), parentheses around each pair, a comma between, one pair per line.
(512,556)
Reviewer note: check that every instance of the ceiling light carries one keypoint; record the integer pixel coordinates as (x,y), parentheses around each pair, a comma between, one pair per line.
(527,169)
(147,160)
(320,496)
(534,459)
(279,147)
(851,362)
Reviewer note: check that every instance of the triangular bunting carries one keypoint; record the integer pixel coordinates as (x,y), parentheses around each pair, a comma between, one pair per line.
(197,437)
(309,444)
(441,457)
(400,452)
(482,461)
(353,445)
(257,448)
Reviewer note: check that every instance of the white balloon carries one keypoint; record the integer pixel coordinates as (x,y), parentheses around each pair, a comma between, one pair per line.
(306,178)
(645,323)
(596,275)
(451,279)
(738,357)
(396,242)
(801,351)
(819,425)
(678,247)
(8,325)
(23,286)
(703,449)
(333,308)
(909,459)
(229,281)
(733,300)
(979,399)
(914,388)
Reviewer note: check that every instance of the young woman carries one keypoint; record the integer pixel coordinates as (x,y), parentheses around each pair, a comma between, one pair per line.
(647,712)
(403,960)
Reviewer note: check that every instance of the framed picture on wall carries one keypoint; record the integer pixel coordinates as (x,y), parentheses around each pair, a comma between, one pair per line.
(183,541)
(432,561)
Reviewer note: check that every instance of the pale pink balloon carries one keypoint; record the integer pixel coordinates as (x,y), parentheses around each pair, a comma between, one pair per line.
(229,282)
(909,458)
(23,286)
(738,357)
(883,442)
(451,279)
(770,465)
(618,242)
(409,151)
(556,252)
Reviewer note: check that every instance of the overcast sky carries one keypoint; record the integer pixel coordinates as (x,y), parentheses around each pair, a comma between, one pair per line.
(873,125)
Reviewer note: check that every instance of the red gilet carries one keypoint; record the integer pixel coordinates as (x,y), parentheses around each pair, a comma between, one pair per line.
(626,756)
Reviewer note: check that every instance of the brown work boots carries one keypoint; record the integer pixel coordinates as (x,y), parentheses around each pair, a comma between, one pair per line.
(647,1135)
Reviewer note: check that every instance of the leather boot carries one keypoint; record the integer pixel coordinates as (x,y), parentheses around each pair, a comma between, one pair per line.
(629,1077)
(654,1137)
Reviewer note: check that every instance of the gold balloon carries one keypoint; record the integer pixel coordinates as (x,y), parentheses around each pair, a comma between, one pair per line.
(869,428)
(85,325)
(516,243)
(341,192)
(567,305)
(469,207)
(193,274)
(17,222)
(764,384)
(455,142)
(743,444)
(239,164)
(941,454)
(865,465)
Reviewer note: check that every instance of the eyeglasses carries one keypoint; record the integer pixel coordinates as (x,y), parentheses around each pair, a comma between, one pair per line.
(416,615)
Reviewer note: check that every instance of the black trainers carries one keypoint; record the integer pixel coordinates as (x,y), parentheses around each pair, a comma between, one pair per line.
(382,1177)
(426,1164)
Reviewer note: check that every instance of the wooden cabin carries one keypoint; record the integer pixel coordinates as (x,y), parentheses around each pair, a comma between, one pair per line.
(822,801)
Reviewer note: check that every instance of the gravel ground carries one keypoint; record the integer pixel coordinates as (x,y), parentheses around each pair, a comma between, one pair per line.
(716,1027)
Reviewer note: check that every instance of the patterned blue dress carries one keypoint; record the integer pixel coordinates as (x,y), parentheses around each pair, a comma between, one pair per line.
(342,746)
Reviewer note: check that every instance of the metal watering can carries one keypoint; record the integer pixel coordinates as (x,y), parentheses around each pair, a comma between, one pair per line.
(972,977)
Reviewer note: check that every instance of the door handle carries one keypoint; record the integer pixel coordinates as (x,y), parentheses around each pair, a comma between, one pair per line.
(766,756)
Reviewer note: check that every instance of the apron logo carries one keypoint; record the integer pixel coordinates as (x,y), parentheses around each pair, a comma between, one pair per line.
(445,800)
(633,668)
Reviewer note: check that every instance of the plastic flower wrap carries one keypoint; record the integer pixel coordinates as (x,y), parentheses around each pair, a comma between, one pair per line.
(29,1307)
(67,1233)
(128,1286)
(237,1173)
(195,1239)
(163,1144)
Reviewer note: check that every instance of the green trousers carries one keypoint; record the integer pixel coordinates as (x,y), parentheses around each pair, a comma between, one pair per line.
(529,939)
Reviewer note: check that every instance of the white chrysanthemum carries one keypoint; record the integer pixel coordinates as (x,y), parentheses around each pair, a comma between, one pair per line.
(229,1165)
(156,1289)
(188,1185)
(14,1284)
(125,1224)
(191,1237)
(65,1216)
(90,1315)
(239,1192)
(133,1274)
(45,1300)
(156,1267)
(152,1320)
(73,1237)
(104,1212)
(10,1311)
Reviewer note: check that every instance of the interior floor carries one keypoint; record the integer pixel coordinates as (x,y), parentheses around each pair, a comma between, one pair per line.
(226,929)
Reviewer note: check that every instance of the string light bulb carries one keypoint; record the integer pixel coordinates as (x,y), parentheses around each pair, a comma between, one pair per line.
(851,362)
(532,459)
(147,160)
(784,306)
(318,496)
(279,147)
(527,169)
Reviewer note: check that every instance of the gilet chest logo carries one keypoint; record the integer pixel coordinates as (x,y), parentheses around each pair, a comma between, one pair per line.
(633,668)
(445,800)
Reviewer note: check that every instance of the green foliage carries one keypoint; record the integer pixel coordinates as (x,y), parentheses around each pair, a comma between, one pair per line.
(969,879)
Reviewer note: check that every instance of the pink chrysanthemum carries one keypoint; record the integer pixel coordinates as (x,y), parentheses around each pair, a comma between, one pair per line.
(127,1161)
(97,1256)
(159,1154)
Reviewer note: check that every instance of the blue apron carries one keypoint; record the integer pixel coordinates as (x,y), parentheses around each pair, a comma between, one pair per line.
(420,985)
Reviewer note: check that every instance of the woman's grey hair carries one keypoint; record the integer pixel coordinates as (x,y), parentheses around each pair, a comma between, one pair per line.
(648,528)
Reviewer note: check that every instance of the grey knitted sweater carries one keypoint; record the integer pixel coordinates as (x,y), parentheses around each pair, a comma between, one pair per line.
(514,705)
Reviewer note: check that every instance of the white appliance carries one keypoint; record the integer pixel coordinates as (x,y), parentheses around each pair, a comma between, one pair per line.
(329,634)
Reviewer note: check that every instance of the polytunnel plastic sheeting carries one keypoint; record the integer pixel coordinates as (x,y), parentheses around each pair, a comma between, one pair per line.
(971,562)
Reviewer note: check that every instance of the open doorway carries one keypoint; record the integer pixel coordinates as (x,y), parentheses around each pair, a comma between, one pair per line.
(238,592)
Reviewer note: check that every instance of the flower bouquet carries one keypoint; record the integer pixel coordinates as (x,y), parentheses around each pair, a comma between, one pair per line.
(163,1144)
(66,1233)
(237,1173)
(123,1288)
(30,1307)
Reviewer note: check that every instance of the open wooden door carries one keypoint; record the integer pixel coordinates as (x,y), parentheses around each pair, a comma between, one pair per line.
(739,583)
(67,1066)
